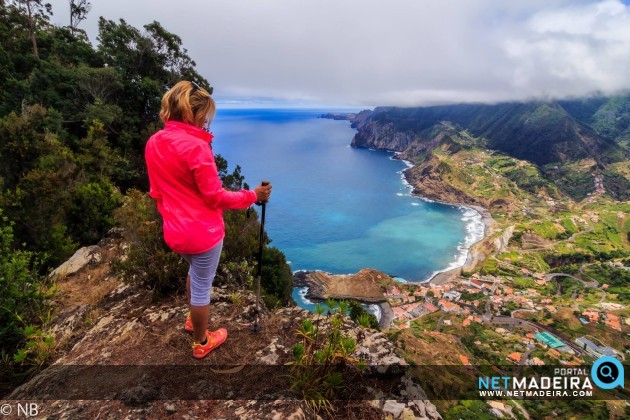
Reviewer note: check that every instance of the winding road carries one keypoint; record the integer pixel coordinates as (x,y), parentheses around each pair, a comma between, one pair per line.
(551,276)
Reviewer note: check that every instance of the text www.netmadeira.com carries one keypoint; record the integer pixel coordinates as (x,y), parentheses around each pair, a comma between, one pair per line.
(534,393)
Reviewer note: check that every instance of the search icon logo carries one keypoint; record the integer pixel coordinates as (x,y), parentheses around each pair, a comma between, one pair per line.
(608,373)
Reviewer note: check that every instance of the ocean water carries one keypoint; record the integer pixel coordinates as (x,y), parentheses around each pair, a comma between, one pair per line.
(337,208)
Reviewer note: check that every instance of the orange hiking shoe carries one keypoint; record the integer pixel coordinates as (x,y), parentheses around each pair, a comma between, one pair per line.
(188,326)
(214,340)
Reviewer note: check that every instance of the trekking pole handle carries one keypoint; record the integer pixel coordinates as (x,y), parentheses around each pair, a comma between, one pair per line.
(264,183)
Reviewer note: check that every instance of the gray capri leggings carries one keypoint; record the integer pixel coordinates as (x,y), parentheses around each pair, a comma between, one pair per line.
(203,268)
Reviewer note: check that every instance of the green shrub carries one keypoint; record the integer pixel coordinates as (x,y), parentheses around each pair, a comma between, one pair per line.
(277,279)
(23,297)
(319,355)
(91,214)
(362,317)
(148,259)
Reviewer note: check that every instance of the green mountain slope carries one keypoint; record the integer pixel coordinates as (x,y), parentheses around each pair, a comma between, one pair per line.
(560,138)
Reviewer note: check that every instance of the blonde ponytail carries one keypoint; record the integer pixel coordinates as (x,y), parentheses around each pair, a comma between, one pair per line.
(188,104)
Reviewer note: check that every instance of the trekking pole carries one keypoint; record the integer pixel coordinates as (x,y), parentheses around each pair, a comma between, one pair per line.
(256,325)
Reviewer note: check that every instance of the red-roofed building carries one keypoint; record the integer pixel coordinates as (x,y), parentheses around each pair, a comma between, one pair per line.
(515,357)
(477,284)
(430,307)
(612,321)
(591,314)
(553,353)
(449,306)
(436,292)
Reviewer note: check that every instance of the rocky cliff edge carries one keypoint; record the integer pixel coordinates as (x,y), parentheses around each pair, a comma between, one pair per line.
(122,355)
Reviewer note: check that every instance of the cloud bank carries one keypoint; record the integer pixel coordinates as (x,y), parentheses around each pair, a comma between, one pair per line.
(399,52)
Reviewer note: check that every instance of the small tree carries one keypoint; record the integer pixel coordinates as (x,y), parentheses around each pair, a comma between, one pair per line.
(78,12)
(35,8)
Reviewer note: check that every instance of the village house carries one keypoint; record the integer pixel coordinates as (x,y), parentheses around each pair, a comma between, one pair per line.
(452,295)
(430,307)
(436,292)
(422,292)
(412,308)
(612,321)
(476,284)
(448,306)
(514,358)
(591,314)
(553,353)
(395,293)
(611,306)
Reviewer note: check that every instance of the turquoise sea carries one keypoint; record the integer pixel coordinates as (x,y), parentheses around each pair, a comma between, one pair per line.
(336,208)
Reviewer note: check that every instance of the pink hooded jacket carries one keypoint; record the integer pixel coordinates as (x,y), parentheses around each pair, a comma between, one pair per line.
(186,185)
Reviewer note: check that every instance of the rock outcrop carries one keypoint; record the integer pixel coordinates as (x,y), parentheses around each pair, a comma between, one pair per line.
(81,258)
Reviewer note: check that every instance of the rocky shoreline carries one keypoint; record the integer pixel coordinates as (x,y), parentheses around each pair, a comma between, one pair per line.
(476,256)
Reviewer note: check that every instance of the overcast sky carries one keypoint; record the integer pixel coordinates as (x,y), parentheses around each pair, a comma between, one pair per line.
(398,52)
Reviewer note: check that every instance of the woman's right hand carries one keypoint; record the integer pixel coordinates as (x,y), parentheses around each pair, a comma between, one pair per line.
(262,193)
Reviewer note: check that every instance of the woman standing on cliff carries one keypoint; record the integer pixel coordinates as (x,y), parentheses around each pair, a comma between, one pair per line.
(190,197)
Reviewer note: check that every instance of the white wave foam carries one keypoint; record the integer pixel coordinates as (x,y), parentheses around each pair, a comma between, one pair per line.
(374,309)
(475,230)
(302,294)
(415,204)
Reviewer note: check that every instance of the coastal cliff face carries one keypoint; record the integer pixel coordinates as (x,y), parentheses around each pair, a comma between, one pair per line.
(427,180)
(128,356)
(382,136)
(553,136)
